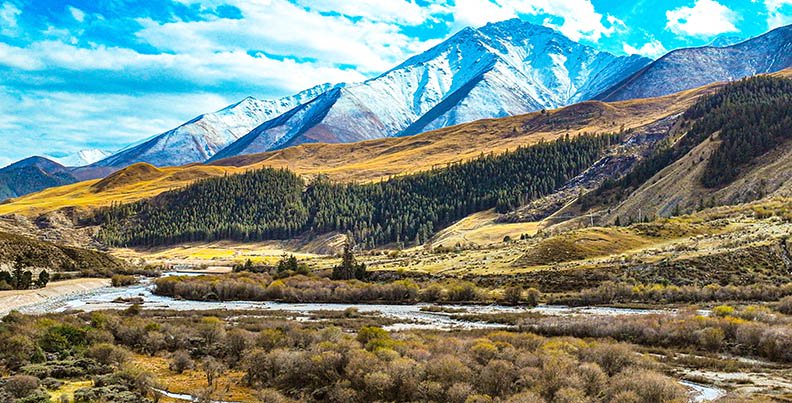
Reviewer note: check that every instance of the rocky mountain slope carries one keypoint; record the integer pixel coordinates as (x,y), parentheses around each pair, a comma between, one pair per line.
(501,69)
(683,69)
(202,137)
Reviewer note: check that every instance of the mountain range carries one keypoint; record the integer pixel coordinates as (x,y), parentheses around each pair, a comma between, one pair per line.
(502,69)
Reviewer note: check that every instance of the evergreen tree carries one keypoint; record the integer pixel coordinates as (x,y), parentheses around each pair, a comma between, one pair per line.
(43,279)
(349,268)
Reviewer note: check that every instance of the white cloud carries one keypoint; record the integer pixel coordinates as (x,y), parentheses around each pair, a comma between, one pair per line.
(209,69)
(9,14)
(580,18)
(779,13)
(706,18)
(77,14)
(282,28)
(652,49)
(18,58)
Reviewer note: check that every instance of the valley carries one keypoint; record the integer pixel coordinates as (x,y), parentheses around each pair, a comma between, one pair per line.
(510,216)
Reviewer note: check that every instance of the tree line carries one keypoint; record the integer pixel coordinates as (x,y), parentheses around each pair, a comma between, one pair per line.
(277,204)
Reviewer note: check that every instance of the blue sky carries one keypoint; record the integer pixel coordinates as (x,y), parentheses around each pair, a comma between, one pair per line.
(78,74)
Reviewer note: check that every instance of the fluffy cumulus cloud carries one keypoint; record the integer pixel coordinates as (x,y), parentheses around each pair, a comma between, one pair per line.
(652,49)
(705,18)
(779,13)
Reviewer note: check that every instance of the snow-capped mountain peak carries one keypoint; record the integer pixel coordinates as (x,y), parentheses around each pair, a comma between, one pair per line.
(501,69)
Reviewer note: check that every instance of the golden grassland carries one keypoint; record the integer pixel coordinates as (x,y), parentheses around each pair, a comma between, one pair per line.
(711,232)
(481,229)
(220,253)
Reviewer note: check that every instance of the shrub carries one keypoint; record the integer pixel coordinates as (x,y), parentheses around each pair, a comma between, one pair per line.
(513,295)
(711,338)
(107,354)
(785,306)
(648,386)
(369,333)
(121,280)
(62,338)
(20,386)
(180,362)
(723,311)
(612,358)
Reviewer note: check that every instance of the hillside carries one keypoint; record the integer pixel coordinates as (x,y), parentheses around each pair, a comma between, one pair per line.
(277,204)
(736,149)
(54,256)
(375,159)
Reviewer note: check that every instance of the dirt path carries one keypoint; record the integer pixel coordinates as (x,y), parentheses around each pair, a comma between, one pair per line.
(10,300)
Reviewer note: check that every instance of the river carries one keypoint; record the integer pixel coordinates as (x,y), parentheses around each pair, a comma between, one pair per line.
(413,316)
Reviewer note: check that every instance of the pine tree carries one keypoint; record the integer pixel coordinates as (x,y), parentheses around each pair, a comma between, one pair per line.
(43,279)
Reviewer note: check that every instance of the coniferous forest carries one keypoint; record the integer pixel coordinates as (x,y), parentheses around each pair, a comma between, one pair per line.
(277,204)
(748,118)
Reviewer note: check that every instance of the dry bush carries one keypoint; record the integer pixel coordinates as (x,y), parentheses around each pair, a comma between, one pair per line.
(648,386)
(181,361)
(785,305)
(107,354)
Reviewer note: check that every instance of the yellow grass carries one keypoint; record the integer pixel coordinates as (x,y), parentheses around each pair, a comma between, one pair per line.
(214,253)
(581,245)
(67,389)
(481,229)
(229,386)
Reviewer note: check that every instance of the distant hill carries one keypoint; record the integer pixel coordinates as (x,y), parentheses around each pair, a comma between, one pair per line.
(32,175)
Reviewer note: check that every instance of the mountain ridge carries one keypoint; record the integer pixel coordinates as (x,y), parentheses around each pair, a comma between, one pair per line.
(693,67)
(498,70)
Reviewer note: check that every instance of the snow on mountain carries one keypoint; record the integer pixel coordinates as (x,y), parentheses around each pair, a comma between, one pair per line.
(502,69)
(202,137)
(683,69)
(80,158)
